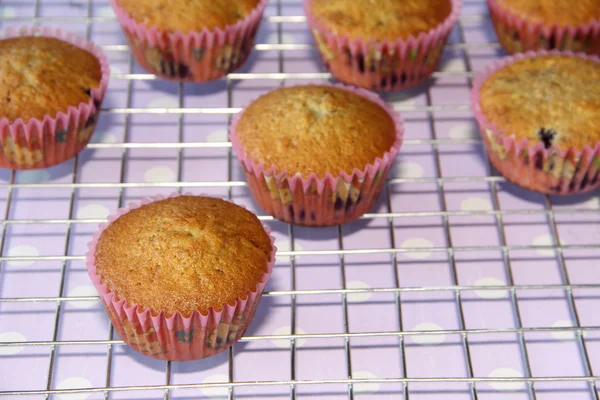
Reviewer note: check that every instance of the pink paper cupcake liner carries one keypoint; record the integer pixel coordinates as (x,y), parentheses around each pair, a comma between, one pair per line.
(175,337)
(42,143)
(335,199)
(382,65)
(551,170)
(196,56)
(517,35)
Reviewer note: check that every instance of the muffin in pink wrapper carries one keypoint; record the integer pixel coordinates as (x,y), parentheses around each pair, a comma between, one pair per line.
(196,41)
(531,25)
(52,87)
(181,277)
(539,115)
(393,45)
(316,155)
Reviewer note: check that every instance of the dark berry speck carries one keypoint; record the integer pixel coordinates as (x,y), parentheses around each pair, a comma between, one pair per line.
(546,136)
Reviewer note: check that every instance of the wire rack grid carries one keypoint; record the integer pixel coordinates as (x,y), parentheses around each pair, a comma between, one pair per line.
(456,285)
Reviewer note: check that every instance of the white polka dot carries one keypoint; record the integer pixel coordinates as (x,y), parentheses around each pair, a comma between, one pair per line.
(220,135)
(365,388)
(475,204)
(115,70)
(417,243)
(544,240)
(563,335)
(285,39)
(159,174)
(408,169)
(104,137)
(592,203)
(285,343)
(506,373)
(33,176)
(285,245)
(454,65)
(401,99)
(361,296)
(23,251)
(92,211)
(11,337)
(163,102)
(464,131)
(105,12)
(76,382)
(216,392)
(490,294)
(425,338)
(83,291)
(8,12)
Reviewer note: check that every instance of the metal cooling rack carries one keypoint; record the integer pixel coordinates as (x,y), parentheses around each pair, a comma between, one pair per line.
(530,385)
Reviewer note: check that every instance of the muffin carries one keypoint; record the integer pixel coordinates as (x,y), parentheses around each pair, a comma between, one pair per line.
(523,25)
(540,119)
(316,154)
(50,95)
(392,45)
(181,277)
(185,40)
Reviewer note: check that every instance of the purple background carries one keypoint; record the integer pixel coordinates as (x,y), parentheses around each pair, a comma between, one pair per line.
(427,181)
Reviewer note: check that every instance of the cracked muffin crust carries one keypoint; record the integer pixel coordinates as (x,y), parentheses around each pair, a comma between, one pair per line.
(188,15)
(385,20)
(315,129)
(549,12)
(183,254)
(44,75)
(552,99)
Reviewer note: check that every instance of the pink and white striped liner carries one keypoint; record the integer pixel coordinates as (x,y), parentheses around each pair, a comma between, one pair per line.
(415,58)
(524,162)
(200,52)
(517,34)
(175,337)
(311,194)
(34,144)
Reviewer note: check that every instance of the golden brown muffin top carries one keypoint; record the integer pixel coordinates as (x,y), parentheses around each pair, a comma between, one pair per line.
(188,15)
(380,19)
(183,254)
(551,99)
(561,12)
(42,75)
(316,129)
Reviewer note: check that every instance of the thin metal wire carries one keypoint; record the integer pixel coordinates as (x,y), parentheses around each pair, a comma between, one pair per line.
(572,307)
(403,363)
(128,99)
(67,236)
(294,292)
(345,314)
(502,234)
(388,215)
(448,250)
(462,332)
(560,379)
(308,46)
(451,254)
(230,184)
(281,69)
(470,179)
(276,19)
(230,393)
